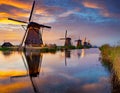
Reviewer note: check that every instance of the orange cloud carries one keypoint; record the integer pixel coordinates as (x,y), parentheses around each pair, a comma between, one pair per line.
(106,13)
(16,3)
(92,5)
(3,14)
(42,11)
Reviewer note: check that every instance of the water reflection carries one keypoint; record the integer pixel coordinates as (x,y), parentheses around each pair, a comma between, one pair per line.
(34,61)
(83,75)
(6,53)
(67,55)
(81,53)
(33,66)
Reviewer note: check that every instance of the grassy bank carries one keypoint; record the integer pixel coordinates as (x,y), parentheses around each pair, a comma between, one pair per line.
(4,49)
(111,58)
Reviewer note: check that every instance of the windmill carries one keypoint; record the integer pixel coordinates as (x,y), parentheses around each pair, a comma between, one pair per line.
(33,34)
(89,44)
(85,42)
(67,40)
(79,42)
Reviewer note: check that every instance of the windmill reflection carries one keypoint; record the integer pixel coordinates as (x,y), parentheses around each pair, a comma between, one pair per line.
(34,60)
(33,66)
(67,55)
(80,53)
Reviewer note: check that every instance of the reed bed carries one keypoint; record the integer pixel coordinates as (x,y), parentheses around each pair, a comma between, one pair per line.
(111,57)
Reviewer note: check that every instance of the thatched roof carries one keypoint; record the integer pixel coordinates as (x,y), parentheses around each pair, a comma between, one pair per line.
(6,44)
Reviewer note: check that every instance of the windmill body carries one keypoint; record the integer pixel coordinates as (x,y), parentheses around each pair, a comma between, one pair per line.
(85,44)
(34,36)
(67,42)
(79,42)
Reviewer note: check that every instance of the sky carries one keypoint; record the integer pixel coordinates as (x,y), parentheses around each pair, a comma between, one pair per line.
(97,20)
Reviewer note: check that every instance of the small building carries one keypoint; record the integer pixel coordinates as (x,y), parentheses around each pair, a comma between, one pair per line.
(6,44)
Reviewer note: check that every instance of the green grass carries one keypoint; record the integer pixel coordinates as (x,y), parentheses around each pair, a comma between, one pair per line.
(45,50)
(111,58)
(4,49)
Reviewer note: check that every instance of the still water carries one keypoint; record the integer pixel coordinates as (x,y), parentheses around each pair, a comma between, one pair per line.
(74,71)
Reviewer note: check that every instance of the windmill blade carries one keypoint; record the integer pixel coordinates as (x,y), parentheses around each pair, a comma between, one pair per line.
(32,11)
(19,76)
(62,38)
(24,37)
(46,26)
(85,39)
(66,34)
(16,20)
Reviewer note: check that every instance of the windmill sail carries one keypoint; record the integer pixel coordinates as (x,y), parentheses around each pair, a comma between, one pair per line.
(32,36)
(32,11)
(16,20)
(66,34)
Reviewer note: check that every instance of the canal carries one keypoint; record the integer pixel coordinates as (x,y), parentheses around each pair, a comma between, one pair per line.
(71,71)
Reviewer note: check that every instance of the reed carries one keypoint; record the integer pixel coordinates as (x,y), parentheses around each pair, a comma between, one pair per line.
(111,56)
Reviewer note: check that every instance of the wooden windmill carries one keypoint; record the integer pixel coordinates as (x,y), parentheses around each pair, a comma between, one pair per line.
(85,43)
(89,44)
(67,40)
(33,34)
(79,42)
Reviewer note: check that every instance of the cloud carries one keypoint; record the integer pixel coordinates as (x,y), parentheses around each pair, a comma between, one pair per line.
(16,3)
(89,4)
(69,12)
(97,87)
(106,8)
(107,13)
(12,12)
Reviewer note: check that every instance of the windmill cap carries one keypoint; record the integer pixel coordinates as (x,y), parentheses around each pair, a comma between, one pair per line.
(34,24)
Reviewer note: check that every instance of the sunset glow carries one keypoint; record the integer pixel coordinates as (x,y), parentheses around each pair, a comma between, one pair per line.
(97,20)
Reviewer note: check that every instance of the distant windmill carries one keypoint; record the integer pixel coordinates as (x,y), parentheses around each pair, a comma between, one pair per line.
(32,36)
(79,42)
(89,44)
(67,40)
(85,42)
